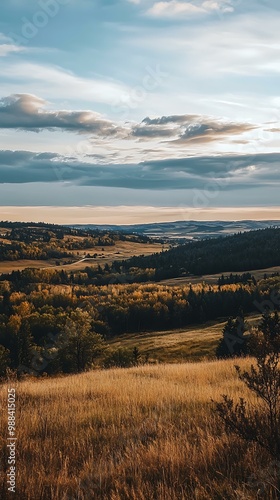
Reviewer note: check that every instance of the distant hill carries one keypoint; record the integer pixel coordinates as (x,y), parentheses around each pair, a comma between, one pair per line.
(240,252)
(40,241)
(186,230)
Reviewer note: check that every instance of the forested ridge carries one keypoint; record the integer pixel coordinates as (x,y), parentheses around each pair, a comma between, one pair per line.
(240,252)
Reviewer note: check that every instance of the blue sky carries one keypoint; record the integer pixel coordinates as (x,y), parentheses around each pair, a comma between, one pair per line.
(139,103)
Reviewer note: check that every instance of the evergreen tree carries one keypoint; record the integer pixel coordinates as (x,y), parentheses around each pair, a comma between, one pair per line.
(233,343)
(136,356)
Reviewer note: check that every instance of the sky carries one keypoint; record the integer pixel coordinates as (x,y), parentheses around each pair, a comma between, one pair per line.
(139,110)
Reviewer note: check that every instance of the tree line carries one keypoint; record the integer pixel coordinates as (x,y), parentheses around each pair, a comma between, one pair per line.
(35,313)
(240,252)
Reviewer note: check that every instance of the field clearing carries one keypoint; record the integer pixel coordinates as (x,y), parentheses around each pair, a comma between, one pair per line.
(212,279)
(106,255)
(8,266)
(194,343)
(132,434)
(121,251)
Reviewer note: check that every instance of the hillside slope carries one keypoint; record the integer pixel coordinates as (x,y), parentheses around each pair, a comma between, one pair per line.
(240,252)
(144,432)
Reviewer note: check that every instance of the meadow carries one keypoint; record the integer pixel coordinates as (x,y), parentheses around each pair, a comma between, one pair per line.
(132,434)
(212,279)
(194,343)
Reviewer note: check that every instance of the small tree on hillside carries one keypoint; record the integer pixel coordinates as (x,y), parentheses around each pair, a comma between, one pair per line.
(136,356)
(233,343)
(79,345)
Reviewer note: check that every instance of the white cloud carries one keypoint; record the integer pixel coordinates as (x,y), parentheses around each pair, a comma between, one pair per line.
(173,9)
(238,46)
(7,46)
(178,8)
(6,49)
(56,82)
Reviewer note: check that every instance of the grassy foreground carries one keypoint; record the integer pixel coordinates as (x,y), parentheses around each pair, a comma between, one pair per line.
(134,434)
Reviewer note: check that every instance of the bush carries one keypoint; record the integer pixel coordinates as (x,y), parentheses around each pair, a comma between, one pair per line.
(119,358)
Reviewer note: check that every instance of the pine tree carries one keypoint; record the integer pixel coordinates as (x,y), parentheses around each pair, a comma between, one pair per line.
(136,356)
(233,343)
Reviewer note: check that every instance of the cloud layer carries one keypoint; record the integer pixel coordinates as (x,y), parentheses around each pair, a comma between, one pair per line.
(215,173)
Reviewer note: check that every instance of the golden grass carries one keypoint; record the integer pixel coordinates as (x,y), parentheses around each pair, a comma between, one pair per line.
(126,249)
(135,434)
(7,266)
(193,343)
(122,250)
(212,279)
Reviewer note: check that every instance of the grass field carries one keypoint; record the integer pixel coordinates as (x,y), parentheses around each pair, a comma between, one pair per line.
(194,343)
(8,266)
(147,432)
(212,279)
(121,251)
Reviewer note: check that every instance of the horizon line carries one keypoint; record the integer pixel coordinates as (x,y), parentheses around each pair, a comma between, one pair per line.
(132,215)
